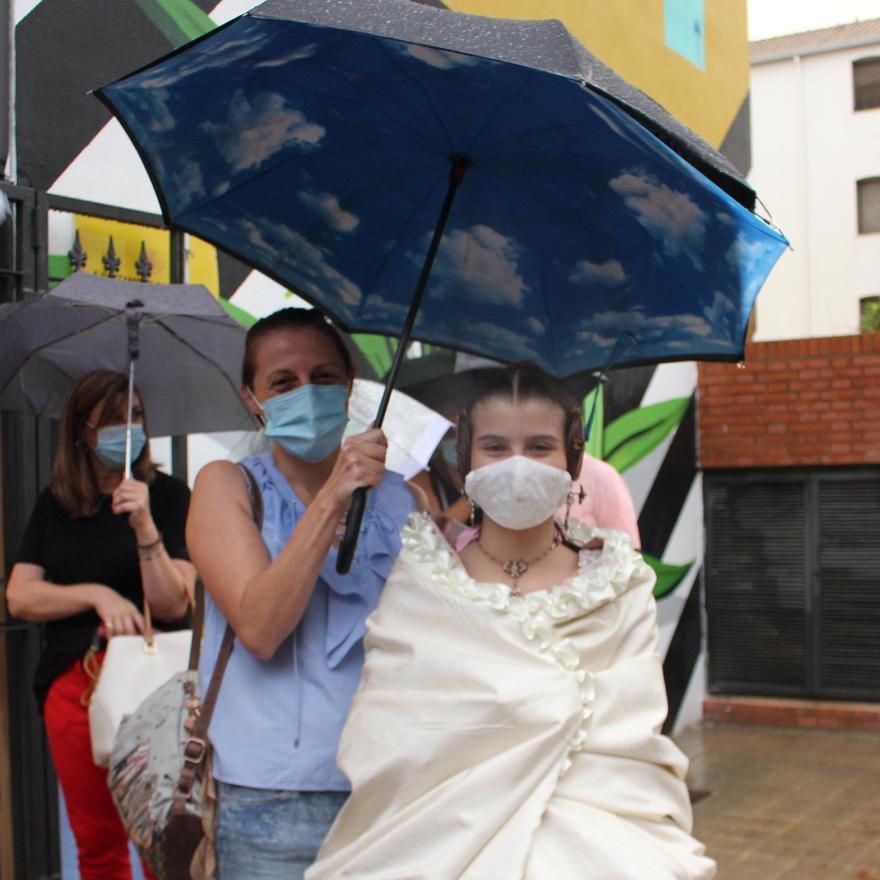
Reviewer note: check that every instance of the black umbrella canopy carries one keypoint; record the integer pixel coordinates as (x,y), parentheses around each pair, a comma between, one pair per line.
(542,45)
(189,350)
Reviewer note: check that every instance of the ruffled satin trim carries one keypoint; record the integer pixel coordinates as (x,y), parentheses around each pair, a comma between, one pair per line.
(602,576)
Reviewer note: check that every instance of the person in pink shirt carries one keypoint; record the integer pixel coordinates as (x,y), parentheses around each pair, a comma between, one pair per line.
(606,501)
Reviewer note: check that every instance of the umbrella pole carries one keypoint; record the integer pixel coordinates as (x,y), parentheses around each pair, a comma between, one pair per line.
(355,516)
(126,474)
(132,322)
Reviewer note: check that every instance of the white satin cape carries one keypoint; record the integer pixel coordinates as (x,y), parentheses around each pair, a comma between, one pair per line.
(497,737)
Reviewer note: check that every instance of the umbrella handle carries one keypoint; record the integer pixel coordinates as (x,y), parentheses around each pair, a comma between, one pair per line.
(353,522)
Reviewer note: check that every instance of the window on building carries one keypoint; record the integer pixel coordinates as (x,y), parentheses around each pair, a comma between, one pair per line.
(869,204)
(866,83)
(869,314)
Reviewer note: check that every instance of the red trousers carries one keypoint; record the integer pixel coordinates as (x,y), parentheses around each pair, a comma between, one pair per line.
(101,841)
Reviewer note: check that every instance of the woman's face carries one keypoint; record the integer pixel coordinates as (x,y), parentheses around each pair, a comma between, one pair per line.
(533,428)
(288,359)
(115,413)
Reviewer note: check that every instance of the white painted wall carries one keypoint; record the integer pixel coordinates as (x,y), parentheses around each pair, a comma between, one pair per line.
(809,147)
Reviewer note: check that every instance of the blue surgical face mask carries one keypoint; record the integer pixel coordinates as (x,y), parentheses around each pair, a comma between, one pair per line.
(448,449)
(110,447)
(309,421)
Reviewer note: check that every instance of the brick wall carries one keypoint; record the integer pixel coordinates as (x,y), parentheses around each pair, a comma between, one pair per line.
(796,402)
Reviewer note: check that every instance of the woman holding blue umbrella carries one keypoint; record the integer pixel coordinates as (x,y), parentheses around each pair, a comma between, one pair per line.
(298,651)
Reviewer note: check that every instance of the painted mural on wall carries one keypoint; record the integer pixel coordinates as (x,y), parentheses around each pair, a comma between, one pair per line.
(692,55)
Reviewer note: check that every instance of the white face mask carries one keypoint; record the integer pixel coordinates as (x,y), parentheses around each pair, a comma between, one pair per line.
(518,492)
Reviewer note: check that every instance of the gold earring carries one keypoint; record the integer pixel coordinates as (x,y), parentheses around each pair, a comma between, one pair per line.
(573,494)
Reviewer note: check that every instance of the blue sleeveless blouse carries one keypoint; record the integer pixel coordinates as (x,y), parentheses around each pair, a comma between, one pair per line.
(277,722)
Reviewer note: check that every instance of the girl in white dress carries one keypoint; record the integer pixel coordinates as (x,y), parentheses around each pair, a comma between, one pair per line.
(508,721)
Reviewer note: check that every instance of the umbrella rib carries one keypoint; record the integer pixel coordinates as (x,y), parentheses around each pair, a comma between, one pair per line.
(499,109)
(384,261)
(375,110)
(427,96)
(36,351)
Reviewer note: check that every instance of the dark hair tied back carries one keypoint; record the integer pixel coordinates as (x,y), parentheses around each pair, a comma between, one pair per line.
(290,319)
(520,382)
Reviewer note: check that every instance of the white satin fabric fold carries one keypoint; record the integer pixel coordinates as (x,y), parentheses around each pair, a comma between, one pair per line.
(497,737)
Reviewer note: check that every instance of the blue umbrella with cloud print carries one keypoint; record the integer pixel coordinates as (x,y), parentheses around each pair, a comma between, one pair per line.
(483,184)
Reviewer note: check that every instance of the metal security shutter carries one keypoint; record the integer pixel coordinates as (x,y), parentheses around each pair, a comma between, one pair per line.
(793,582)
(848,582)
(755,575)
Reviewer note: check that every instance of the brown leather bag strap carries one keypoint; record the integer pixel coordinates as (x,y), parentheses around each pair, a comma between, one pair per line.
(198,624)
(196,746)
(255,495)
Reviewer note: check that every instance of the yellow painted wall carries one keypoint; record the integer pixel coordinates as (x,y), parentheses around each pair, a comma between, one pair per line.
(94,234)
(628,35)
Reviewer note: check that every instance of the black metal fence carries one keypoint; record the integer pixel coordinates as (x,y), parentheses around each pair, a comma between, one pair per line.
(28,445)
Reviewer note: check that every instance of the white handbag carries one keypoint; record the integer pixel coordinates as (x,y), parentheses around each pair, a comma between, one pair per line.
(134,667)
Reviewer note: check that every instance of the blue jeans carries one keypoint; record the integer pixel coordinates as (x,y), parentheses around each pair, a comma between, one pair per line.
(264,834)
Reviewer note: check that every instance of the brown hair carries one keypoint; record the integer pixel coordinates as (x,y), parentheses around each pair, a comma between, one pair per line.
(290,319)
(74,484)
(519,382)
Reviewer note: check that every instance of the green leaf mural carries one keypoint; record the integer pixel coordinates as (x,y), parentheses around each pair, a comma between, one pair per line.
(246,319)
(178,20)
(595,444)
(668,576)
(625,442)
(631,437)
(379,350)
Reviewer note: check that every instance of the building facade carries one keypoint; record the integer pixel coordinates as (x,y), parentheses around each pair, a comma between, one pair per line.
(816,163)
(789,444)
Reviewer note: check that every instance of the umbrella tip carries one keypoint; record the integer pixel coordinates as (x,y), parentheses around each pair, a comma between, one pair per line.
(134,304)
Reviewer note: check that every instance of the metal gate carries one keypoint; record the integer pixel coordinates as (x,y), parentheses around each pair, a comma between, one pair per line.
(27,445)
(793,582)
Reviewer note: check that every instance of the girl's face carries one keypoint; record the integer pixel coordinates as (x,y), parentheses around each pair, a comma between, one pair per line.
(288,359)
(532,428)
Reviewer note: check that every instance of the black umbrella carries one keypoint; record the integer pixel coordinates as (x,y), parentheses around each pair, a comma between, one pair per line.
(187,349)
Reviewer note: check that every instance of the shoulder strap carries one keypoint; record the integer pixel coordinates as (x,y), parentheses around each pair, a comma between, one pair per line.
(196,746)
(255,495)
(198,619)
(198,624)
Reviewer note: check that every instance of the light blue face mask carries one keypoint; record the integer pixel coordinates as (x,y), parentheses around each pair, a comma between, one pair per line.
(448,449)
(309,421)
(110,447)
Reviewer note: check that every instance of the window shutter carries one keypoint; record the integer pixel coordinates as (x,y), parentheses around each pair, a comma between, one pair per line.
(756,576)
(849,587)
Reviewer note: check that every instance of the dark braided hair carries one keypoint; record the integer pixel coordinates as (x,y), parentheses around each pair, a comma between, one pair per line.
(520,382)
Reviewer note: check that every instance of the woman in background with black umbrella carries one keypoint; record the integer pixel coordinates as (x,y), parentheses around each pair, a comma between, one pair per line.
(95,546)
